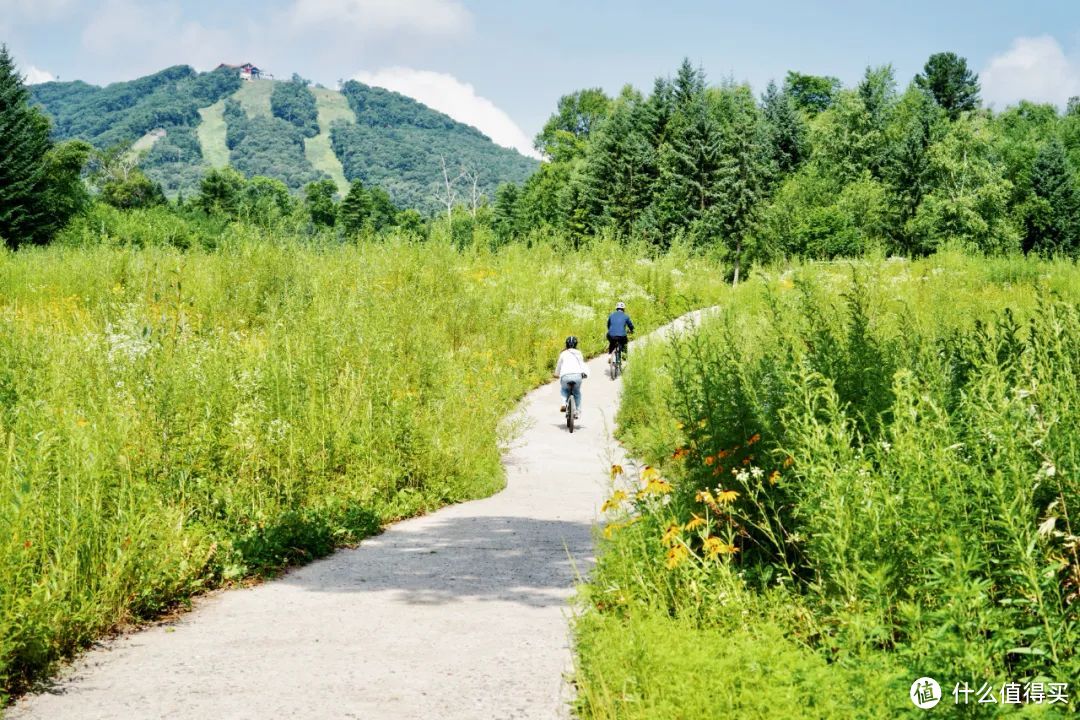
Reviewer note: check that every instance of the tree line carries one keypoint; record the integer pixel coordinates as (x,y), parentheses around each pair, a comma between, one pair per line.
(808,168)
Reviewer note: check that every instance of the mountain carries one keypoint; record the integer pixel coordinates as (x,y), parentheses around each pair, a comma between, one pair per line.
(183,122)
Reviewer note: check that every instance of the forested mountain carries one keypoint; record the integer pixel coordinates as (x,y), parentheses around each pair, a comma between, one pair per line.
(181,120)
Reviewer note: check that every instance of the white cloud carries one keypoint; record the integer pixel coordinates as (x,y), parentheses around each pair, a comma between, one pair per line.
(151,36)
(36,76)
(1033,68)
(447,94)
(424,17)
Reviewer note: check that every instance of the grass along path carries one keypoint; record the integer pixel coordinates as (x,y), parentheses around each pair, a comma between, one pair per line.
(211,132)
(458,614)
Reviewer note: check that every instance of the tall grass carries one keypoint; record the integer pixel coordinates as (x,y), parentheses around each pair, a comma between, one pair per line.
(171,420)
(879,461)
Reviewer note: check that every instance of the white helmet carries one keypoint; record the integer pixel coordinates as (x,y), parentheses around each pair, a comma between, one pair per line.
(620,306)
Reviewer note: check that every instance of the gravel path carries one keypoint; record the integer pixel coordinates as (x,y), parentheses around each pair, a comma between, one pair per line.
(458,614)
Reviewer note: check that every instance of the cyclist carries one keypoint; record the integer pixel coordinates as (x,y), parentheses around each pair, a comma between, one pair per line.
(618,325)
(571,368)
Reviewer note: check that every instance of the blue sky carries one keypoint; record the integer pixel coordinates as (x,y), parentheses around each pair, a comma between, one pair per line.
(503,65)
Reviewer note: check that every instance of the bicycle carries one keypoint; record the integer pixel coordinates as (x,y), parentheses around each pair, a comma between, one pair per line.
(617,360)
(571,406)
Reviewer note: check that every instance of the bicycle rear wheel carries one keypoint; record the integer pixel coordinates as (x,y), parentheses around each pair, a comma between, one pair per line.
(571,408)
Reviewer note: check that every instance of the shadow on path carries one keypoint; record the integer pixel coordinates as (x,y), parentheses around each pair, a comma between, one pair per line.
(446,560)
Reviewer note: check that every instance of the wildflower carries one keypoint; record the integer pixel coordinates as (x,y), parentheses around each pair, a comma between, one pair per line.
(613,502)
(702,422)
(718,469)
(727,496)
(753,439)
(679,453)
(715,547)
(757,472)
(695,522)
(774,476)
(656,486)
(746,461)
(709,459)
(649,473)
(676,556)
(616,471)
(671,535)
(611,529)
(679,425)
(704,496)
(723,454)
(82,422)
(789,461)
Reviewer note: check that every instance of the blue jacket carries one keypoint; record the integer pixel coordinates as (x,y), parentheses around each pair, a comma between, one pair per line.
(618,323)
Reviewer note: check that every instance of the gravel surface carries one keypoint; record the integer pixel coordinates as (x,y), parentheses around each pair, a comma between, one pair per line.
(458,614)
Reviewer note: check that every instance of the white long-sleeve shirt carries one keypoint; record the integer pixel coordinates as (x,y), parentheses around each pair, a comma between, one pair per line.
(571,361)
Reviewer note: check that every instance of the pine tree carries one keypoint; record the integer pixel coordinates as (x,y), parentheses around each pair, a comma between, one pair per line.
(742,174)
(1053,225)
(24,145)
(355,209)
(689,166)
(622,164)
(689,84)
(786,128)
(955,88)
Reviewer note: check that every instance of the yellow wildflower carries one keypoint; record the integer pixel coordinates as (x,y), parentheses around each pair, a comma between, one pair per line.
(727,496)
(679,425)
(704,496)
(774,476)
(714,547)
(695,522)
(612,528)
(649,473)
(671,535)
(657,486)
(616,471)
(613,502)
(702,422)
(789,461)
(676,556)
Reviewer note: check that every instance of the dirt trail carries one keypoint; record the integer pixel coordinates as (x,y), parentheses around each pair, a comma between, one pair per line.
(458,614)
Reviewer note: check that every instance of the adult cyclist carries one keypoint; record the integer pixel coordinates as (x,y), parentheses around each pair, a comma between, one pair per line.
(619,326)
(571,368)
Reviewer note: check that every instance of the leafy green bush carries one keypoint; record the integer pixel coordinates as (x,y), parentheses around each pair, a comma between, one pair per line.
(888,448)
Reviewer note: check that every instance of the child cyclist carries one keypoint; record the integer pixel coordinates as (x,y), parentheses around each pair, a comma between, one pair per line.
(571,368)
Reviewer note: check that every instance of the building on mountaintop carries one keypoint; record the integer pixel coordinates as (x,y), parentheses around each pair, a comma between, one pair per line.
(247,71)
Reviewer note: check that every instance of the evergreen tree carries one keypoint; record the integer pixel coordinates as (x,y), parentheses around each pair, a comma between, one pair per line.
(787,131)
(907,167)
(384,212)
(689,84)
(221,191)
(622,168)
(689,167)
(1054,223)
(319,201)
(947,78)
(355,209)
(743,170)
(507,211)
(24,145)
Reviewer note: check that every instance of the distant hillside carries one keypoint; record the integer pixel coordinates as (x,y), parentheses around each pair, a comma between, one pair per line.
(185,122)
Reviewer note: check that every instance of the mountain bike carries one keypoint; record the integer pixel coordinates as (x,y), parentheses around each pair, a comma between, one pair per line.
(617,360)
(571,406)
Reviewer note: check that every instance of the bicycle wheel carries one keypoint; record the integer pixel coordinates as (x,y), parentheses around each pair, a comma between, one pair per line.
(571,408)
(616,368)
